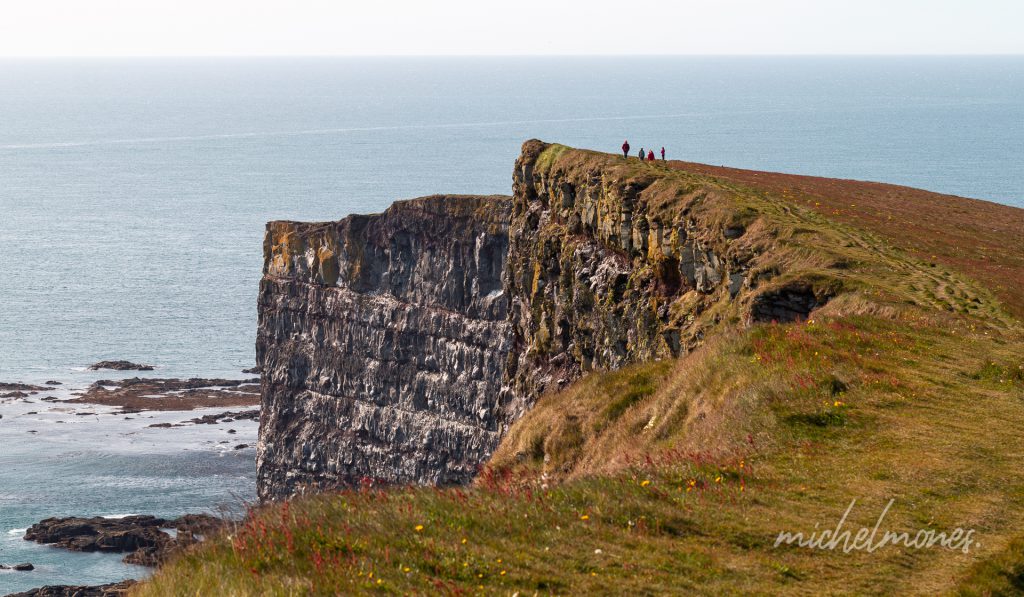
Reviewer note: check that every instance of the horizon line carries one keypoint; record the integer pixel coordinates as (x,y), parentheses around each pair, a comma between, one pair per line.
(514,55)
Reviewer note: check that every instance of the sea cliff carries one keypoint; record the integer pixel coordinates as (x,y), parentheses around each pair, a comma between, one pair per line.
(383,342)
(400,347)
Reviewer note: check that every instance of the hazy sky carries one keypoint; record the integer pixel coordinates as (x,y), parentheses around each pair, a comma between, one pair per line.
(279,27)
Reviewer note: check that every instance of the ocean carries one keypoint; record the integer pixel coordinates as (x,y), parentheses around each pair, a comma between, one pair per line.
(134,193)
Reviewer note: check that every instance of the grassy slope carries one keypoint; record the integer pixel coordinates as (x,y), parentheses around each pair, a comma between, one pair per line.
(671,476)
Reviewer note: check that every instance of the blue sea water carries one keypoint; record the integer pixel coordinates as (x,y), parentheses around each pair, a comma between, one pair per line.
(133,195)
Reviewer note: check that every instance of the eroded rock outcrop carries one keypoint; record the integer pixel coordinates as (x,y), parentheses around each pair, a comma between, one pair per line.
(383,341)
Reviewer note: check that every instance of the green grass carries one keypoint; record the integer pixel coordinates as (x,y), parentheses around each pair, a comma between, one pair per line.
(630,386)
(674,477)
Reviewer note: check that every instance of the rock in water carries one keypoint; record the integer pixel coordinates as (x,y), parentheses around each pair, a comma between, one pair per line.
(140,393)
(110,590)
(120,366)
(138,536)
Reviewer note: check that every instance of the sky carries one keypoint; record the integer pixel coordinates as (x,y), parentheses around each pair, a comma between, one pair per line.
(522,27)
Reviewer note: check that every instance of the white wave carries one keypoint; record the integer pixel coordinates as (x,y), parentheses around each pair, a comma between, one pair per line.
(16,531)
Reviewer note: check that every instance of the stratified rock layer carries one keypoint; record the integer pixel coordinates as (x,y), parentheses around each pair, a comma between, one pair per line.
(383,341)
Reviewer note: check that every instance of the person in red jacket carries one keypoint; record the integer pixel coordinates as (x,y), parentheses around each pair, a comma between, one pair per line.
(650,156)
(663,154)
(625,149)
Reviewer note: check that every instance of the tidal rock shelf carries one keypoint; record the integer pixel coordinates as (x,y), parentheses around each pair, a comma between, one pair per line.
(142,394)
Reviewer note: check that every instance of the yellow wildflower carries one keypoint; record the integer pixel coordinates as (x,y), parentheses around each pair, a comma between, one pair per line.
(419,528)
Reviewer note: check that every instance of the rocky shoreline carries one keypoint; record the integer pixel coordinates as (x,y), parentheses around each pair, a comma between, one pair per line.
(147,541)
(109,590)
(144,538)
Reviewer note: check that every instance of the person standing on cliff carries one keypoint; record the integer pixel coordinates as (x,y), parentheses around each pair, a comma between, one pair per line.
(625,149)
(650,156)
(641,154)
(663,154)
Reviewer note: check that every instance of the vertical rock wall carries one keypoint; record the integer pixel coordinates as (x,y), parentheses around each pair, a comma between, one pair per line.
(609,263)
(383,341)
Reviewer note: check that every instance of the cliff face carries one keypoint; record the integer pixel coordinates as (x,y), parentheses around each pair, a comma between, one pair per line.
(383,341)
(401,346)
(611,264)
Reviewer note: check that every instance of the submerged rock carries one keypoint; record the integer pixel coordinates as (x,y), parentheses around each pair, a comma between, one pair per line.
(18,567)
(227,417)
(120,366)
(21,387)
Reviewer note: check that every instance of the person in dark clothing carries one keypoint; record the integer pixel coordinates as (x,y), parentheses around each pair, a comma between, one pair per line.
(642,154)
(663,154)
(650,156)
(625,149)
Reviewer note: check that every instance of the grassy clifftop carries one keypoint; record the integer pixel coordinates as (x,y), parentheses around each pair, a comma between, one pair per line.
(678,475)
